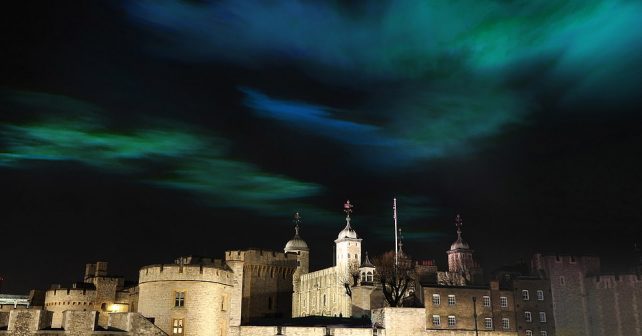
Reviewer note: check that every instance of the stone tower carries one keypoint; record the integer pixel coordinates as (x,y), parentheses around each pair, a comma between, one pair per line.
(348,246)
(460,256)
(299,247)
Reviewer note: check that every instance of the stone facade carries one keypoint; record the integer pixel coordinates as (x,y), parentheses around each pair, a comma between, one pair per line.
(98,291)
(32,322)
(192,300)
(586,302)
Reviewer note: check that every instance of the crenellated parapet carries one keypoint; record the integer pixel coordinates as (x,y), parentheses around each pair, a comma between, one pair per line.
(174,272)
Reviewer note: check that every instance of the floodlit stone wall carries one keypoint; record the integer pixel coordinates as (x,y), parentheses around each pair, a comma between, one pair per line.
(207,291)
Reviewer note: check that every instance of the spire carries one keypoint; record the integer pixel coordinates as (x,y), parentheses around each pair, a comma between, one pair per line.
(366,261)
(347,208)
(297,220)
(458,224)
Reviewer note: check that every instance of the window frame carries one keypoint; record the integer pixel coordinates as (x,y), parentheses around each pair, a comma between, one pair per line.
(453,319)
(438,301)
(178,326)
(505,323)
(528,316)
(436,320)
(503,301)
(486,302)
(180,298)
(486,324)
(526,295)
(540,295)
(453,301)
(542,317)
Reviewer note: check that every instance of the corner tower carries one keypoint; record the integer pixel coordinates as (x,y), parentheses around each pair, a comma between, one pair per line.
(298,246)
(460,258)
(348,246)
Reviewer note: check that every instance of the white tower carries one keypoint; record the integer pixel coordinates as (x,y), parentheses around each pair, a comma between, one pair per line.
(348,246)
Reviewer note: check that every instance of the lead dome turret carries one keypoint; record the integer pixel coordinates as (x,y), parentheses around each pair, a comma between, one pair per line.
(296,243)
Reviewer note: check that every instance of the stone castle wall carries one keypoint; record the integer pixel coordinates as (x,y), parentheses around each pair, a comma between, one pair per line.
(615,302)
(206,309)
(266,281)
(59,300)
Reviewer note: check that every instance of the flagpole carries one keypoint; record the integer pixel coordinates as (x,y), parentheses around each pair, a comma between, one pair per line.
(394,215)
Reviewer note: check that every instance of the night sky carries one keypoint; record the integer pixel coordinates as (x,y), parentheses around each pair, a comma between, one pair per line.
(135,132)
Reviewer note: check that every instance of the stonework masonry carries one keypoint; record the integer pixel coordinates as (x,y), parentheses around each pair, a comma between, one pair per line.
(194,298)
(587,303)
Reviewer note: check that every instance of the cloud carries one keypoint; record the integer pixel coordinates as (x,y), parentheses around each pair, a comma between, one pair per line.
(194,161)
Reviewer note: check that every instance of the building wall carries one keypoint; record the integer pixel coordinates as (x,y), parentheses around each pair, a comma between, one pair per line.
(208,289)
(59,300)
(267,284)
(614,304)
(463,309)
(303,267)
(323,294)
(534,306)
(566,275)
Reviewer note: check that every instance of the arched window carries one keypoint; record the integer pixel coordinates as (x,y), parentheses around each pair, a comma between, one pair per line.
(363,276)
(369,277)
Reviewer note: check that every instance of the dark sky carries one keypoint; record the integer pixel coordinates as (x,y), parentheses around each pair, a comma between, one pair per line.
(135,132)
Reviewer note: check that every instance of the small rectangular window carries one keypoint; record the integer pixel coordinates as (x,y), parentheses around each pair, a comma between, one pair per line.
(503,302)
(451,300)
(177,327)
(540,295)
(452,321)
(179,299)
(486,301)
(436,299)
(488,323)
(436,320)
(525,295)
(562,281)
(505,323)
(528,316)
(542,317)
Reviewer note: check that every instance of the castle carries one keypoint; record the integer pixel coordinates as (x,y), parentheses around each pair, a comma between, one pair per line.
(259,292)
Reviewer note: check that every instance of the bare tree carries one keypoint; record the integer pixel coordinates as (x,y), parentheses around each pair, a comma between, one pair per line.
(395,278)
(350,277)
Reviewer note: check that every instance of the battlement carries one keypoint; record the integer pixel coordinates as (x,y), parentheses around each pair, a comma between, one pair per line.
(319,273)
(62,292)
(174,272)
(262,257)
(606,281)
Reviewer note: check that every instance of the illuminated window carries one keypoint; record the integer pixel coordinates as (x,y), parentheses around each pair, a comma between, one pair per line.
(179,299)
(542,317)
(486,301)
(529,333)
(452,321)
(540,295)
(503,302)
(177,327)
(451,300)
(436,299)
(488,323)
(525,295)
(528,316)
(436,320)
(505,323)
